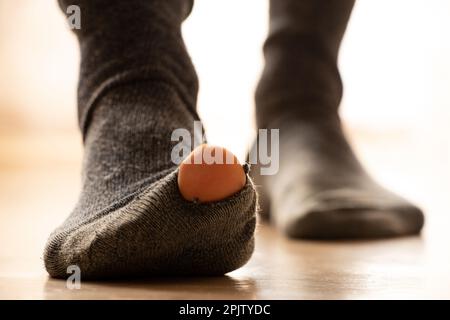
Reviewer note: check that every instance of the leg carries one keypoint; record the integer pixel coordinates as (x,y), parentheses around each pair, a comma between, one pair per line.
(321,189)
(137,84)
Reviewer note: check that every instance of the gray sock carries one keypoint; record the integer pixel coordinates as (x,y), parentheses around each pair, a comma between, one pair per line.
(137,85)
(321,189)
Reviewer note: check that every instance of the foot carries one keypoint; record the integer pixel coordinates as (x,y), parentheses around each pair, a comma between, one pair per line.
(322,192)
(131,218)
(137,85)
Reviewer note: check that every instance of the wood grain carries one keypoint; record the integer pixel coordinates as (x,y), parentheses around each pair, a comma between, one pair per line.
(37,192)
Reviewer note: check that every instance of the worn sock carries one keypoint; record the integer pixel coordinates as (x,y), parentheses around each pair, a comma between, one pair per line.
(321,190)
(137,84)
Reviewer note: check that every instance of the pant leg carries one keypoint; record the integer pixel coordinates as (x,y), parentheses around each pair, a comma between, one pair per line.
(301,77)
(134,40)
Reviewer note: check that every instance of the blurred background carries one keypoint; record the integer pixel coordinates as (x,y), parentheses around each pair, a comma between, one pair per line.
(394,61)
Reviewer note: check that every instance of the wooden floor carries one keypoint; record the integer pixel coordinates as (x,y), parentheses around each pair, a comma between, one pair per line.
(37,190)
